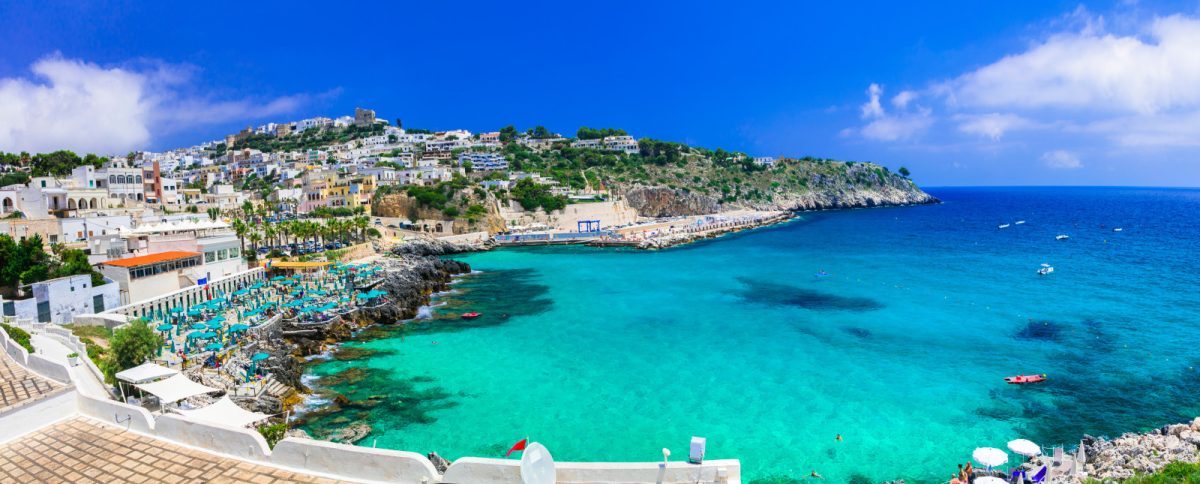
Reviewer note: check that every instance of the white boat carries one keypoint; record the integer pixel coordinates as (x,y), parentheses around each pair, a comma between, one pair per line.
(1046,269)
(1061,237)
(1118,229)
(1020,222)
(1002,226)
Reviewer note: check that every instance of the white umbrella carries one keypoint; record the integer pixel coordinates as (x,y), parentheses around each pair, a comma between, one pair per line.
(989,480)
(1024,447)
(989,456)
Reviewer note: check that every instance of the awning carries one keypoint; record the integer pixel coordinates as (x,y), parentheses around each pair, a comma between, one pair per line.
(224,412)
(145,372)
(175,389)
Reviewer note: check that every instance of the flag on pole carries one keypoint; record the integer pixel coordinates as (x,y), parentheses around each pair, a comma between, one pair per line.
(518,446)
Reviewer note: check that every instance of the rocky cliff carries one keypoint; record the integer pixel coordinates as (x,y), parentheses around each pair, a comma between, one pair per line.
(794,185)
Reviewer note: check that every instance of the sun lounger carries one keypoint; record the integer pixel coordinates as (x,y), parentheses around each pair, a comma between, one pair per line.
(1040,476)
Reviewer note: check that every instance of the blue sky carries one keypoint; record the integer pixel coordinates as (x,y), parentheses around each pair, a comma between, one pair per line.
(962,93)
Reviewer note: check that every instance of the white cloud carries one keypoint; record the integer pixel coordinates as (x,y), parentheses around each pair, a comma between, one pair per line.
(903,125)
(990,125)
(77,105)
(1095,71)
(1061,159)
(901,100)
(872,108)
(898,127)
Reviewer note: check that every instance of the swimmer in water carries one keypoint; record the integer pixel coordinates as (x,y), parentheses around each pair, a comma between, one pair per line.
(838,438)
(814,474)
(435,342)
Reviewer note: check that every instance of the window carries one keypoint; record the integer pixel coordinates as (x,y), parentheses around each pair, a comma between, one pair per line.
(210,257)
(233,253)
(223,254)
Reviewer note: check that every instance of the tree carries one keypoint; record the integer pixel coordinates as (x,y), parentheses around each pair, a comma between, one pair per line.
(903,172)
(399,124)
(508,133)
(130,347)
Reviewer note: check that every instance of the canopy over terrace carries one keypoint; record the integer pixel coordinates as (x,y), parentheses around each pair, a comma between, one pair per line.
(224,412)
(175,388)
(297,266)
(145,372)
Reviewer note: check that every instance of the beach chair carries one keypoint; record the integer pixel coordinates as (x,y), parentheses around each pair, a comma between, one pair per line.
(1040,476)
(1058,456)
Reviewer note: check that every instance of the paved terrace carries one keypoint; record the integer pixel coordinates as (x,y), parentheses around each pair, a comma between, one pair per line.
(19,386)
(81,450)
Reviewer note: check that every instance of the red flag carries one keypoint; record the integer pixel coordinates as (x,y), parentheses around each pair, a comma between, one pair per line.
(517,446)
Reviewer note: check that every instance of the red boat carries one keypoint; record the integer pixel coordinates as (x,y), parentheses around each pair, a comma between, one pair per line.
(470,315)
(1023,379)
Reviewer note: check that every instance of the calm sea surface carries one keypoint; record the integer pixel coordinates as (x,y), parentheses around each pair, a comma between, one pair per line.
(901,348)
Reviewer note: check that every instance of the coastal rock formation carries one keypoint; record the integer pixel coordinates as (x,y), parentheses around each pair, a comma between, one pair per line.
(667,202)
(415,272)
(1131,453)
(811,185)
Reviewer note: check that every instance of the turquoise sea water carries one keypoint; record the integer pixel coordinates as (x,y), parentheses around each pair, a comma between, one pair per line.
(614,354)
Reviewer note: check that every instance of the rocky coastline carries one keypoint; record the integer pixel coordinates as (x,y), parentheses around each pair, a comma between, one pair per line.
(412,272)
(1145,453)
(657,201)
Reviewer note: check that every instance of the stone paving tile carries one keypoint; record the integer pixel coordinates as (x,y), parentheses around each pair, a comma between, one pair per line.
(19,386)
(66,453)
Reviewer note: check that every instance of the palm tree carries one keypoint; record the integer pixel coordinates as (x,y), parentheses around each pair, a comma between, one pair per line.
(255,238)
(240,228)
(361,222)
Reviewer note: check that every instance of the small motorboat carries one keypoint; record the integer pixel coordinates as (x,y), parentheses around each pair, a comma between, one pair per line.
(471,315)
(1061,237)
(1002,226)
(1118,229)
(1023,379)
(1020,222)
(1045,269)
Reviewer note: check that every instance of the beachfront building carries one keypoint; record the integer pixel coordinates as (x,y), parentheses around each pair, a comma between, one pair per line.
(541,144)
(767,161)
(149,276)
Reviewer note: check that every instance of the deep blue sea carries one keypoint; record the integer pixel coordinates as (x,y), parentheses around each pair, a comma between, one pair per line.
(901,348)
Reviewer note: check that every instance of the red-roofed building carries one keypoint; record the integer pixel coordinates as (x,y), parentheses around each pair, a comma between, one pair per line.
(152,275)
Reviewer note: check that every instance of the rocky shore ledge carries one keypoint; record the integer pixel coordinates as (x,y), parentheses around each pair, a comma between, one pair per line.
(1146,453)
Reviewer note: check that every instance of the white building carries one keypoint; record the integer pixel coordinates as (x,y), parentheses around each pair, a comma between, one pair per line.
(59,300)
(484,161)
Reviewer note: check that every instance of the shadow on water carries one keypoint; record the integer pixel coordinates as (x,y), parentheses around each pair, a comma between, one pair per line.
(785,295)
(1091,391)
(1040,330)
(369,395)
(861,333)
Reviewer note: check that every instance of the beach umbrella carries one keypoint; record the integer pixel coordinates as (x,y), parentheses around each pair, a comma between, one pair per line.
(212,346)
(176,310)
(238,327)
(195,335)
(1024,447)
(193,312)
(989,456)
(213,325)
(208,335)
(259,357)
(199,326)
(165,327)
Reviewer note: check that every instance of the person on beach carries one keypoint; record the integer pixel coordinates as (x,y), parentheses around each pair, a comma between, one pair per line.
(955,480)
(962,474)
